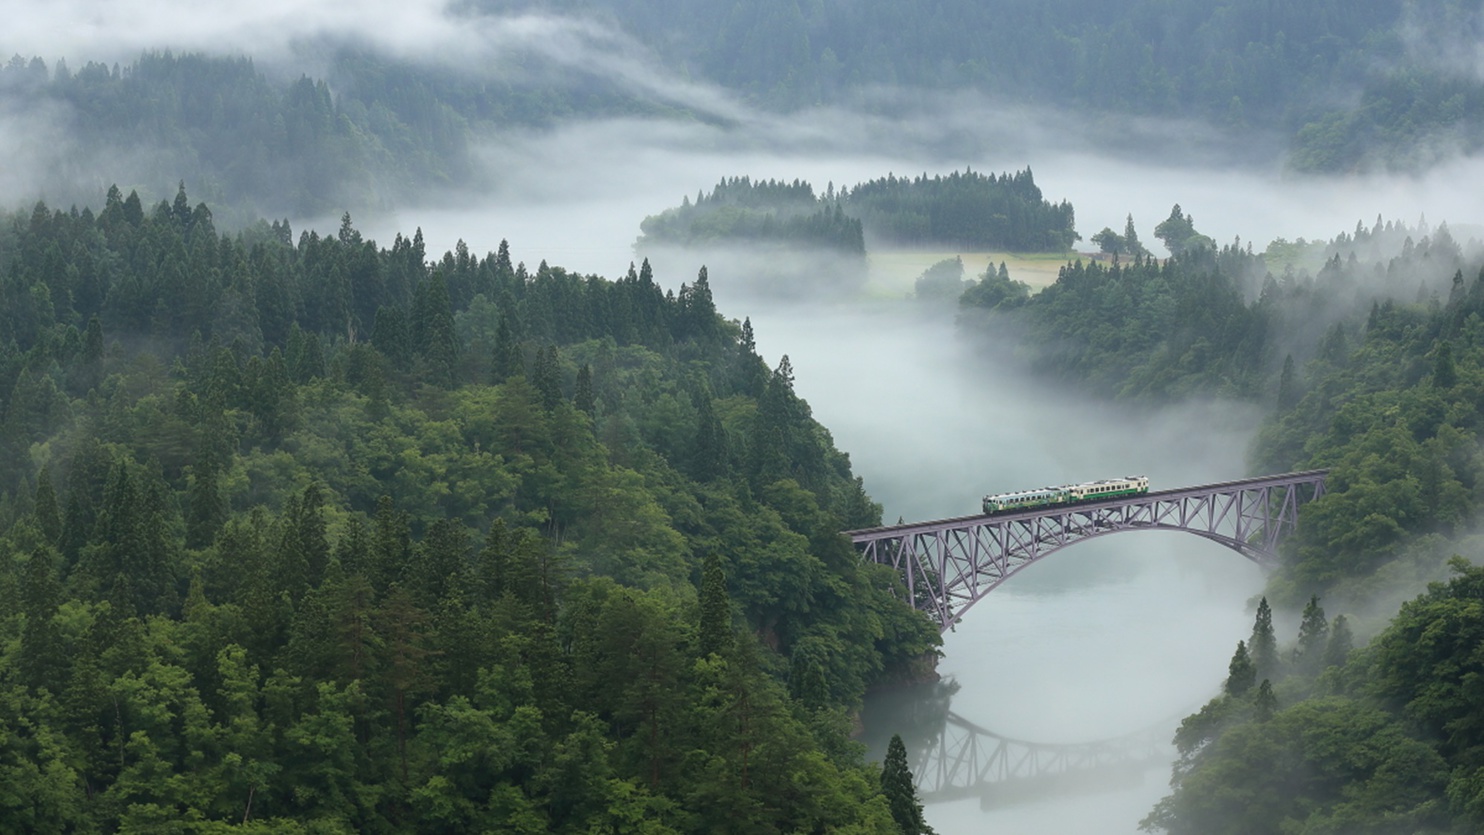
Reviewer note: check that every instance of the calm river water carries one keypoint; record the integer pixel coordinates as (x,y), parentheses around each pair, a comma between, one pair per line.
(1104,639)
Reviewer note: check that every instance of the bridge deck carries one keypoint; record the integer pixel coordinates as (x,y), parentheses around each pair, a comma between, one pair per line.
(1178,493)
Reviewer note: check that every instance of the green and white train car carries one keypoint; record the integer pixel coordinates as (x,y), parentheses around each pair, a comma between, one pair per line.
(1088,491)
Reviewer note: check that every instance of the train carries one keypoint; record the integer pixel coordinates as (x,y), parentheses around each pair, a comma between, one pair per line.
(1087,491)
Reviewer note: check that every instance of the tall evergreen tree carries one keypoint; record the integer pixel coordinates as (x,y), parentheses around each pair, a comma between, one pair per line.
(901,793)
(582,394)
(1241,674)
(389,335)
(716,609)
(709,449)
(1263,645)
(206,507)
(547,377)
(90,362)
(1131,243)
(505,360)
(1313,638)
(1341,642)
(305,549)
(1445,371)
(433,333)
(45,510)
(1288,394)
(1265,704)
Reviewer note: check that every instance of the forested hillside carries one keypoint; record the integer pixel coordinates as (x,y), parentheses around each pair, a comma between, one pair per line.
(1371,367)
(316,535)
(965,210)
(1346,85)
(373,133)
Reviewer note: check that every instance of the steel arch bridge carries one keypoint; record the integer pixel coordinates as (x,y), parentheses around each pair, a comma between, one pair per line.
(949,565)
(964,760)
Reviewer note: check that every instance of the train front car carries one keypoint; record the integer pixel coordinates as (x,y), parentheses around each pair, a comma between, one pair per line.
(1113,488)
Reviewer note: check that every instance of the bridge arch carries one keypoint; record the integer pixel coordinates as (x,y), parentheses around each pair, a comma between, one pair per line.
(949,565)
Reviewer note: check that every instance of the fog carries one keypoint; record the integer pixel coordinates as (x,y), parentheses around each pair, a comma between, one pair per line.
(1101,640)
(1104,639)
(574,195)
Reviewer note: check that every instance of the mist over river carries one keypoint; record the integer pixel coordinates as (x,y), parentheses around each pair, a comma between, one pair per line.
(1104,639)
(1110,637)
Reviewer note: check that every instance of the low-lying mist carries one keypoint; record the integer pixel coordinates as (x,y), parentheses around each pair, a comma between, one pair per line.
(574,195)
(1111,637)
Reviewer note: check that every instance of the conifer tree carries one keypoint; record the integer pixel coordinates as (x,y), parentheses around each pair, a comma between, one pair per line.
(1445,371)
(546,377)
(505,360)
(1241,674)
(1341,642)
(45,511)
(206,508)
(1263,645)
(1265,704)
(582,395)
(43,653)
(434,332)
(901,793)
(305,550)
(90,364)
(389,335)
(1131,243)
(752,373)
(769,444)
(716,609)
(391,545)
(709,452)
(1313,638)
(1287,386)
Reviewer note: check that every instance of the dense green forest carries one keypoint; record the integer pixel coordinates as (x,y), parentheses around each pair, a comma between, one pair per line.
(1346,85)
(746,212)
(1372,367)
(965,210)
(317,535)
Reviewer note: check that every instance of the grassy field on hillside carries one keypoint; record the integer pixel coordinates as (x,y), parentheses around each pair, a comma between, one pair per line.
(891,274)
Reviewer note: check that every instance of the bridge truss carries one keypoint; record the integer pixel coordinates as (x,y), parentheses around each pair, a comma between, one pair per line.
(949,565)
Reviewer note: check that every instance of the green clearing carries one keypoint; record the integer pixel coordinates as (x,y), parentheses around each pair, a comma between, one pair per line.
(891,274)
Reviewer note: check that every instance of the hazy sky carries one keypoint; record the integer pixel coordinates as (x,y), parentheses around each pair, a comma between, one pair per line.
(625,169)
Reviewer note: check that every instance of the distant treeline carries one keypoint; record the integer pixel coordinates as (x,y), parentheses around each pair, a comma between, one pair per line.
(742,211)
(315,535)
(372,133)
(965,210)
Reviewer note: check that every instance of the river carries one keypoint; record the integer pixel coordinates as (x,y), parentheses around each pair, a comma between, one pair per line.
(1107,638)
(1104,639)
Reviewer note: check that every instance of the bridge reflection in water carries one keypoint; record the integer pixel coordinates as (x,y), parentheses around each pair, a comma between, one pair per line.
(963,760)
